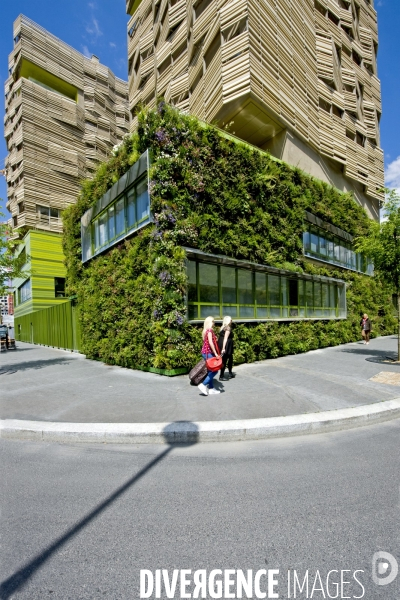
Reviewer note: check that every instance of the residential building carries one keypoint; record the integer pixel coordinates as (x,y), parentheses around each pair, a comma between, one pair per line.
(295,77)
(64,114)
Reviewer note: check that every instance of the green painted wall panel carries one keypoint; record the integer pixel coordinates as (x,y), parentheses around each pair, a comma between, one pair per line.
(56,326)
(46,262)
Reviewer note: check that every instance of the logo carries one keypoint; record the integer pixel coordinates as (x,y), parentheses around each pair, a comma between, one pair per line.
(381,574)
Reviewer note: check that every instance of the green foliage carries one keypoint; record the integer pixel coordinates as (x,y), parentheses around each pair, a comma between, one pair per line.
(382,243)
(11,264)
(210,193)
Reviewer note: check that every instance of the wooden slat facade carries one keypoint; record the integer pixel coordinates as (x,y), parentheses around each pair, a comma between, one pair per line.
(305,66)
(64,114)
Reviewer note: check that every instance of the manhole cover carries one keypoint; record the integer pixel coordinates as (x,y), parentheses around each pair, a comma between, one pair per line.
(387,377)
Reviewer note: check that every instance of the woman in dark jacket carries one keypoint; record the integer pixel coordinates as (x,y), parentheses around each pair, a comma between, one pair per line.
(366,327)
(225,343)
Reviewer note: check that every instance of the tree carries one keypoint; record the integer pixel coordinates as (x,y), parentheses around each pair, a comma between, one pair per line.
(382,245)
(11,265)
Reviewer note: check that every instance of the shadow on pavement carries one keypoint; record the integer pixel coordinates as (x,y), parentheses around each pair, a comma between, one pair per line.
(173,434)
(371,354)
(20,349)
(34,364)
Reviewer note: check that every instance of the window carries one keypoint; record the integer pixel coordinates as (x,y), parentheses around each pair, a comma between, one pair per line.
(321,244)
(128,213)
(179,51)
(196,81)
(356,58)
(333,18)
(200,7)
(212,50)
(320,8)
(338,112)
(220,289)
(347,30)
(324,105)
(360,139)
(45,213)
(146,53)
(123,209)
(164,65)
(59,287)
(25,291)
(144,80)
(234,30)
(172,31)
(132,30)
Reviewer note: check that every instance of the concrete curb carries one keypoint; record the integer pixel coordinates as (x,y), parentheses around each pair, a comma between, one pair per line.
(207,431)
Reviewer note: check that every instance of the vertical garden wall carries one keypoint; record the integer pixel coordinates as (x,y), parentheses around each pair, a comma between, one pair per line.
(210,193)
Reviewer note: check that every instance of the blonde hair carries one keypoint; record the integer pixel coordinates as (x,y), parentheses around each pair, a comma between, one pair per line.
(226,323)
(208,324)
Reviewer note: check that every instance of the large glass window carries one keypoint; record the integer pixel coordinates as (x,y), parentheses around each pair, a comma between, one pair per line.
(245,290)
(103,226)
(218,290)
(228,285)
(25,291)
(131,208)
(111,222)
(142,202)
(120,216)
(320,244)
(274,295)
(208,283)
(129,212)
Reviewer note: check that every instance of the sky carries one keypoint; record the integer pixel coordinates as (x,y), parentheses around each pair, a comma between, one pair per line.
(99,27)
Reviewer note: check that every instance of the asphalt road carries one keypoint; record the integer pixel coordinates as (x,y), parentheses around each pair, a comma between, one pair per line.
(80,521)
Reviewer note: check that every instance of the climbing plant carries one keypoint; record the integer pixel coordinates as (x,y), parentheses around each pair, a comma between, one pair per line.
(209,192)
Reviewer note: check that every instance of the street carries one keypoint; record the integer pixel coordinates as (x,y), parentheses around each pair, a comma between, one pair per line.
(80,521)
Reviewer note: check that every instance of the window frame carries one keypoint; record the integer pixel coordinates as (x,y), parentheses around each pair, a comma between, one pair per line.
(341,254)
(21,290)
(198,309)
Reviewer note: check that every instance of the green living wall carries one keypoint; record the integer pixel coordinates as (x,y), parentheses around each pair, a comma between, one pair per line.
(222,197)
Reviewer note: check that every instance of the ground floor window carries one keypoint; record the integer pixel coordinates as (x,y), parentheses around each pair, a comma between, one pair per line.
(59,287)
(254,293)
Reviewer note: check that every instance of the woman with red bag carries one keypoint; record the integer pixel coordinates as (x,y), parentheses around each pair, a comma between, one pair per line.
(209,350)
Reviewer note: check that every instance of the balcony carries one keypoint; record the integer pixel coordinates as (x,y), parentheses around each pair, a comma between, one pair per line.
(49,223)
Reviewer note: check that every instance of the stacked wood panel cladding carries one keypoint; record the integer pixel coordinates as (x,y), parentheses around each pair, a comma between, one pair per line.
(297,58)
(55,141)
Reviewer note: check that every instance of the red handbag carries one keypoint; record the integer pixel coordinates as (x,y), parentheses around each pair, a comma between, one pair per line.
(215,363)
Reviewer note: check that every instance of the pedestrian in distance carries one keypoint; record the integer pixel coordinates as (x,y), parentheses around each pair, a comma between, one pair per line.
(209,350)
(366,327)
(225,342)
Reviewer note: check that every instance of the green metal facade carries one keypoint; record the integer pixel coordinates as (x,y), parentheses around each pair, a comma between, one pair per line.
(57,326)
(44,264)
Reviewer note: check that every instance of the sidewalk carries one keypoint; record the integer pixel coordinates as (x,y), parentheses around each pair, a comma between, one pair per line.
(48,385)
